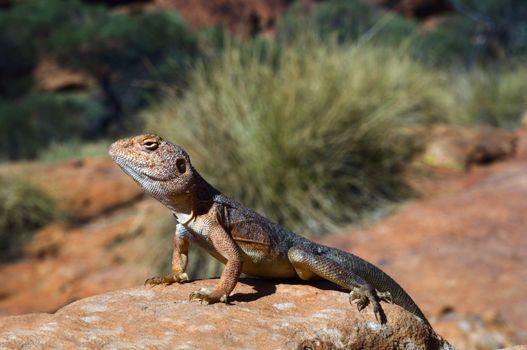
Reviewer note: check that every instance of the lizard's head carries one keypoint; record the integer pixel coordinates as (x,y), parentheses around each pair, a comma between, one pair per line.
(161,168)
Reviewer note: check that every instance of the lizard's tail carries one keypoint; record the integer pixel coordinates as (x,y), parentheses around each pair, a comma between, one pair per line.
(378,279)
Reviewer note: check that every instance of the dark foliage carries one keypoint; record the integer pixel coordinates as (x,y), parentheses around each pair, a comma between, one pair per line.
(129,57)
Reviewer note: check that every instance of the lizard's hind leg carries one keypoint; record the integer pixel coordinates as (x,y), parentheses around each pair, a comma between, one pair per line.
(308,265)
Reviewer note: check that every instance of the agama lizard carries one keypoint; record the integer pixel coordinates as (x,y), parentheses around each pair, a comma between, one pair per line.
(240,238)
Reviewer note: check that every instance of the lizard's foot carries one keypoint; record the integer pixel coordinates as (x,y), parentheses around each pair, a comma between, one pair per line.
(362,297)
(358,298)
(167,280)
(207,296)
(385,296)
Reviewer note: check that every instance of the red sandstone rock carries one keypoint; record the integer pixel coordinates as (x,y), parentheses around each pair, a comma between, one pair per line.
(459,251)
(262,315)
(464,249)
(83,188)
(417,8)
(460,148)
(64,263)
(239,16)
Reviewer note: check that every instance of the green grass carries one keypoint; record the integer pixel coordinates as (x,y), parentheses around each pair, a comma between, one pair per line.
(23,209)
(494,97)
(310,135)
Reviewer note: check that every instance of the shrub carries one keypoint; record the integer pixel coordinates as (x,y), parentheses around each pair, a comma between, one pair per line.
(74,149)
(28,124)
(120,52)
(310,140)
(127,56)
(452,42)
(502,29)
(494,97)
(23,208)
(343,19)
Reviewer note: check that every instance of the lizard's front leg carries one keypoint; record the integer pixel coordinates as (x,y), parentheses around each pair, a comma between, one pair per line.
(179,260)
(229,249)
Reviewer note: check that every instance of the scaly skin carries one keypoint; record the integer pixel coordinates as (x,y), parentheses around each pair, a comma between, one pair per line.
(240,238)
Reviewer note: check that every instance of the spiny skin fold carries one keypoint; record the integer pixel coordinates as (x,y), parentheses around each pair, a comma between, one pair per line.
(240,238)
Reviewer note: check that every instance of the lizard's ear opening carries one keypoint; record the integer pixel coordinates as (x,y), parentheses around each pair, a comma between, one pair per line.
(181,165)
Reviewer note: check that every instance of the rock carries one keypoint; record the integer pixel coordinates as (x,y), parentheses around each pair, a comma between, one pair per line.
(242,17)
(50,76)
(65,263)
(107,243)
(82,189)
(417,8)
(115,238)
(458,251)
(462,249)
(6,3)
(262,315)
(460,148)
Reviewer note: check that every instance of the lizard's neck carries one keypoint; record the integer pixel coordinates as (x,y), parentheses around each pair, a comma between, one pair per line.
(196,201)
(203,191)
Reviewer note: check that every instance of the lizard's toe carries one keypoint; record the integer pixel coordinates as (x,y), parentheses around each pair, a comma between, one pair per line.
(199,294)
(385,296)
(207,296)
(166,280)
(154,281)
(363,297)
(358,298)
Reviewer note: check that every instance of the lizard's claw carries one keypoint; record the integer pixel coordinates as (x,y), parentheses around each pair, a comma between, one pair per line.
(207,296)
(363,297)
(385,296)
(167,280)
(359,299)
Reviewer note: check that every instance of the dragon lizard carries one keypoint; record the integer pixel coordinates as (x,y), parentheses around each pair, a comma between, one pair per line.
(240,238)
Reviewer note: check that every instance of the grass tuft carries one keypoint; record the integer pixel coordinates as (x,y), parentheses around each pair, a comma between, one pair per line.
(309,135)
(495,97)
(23,209)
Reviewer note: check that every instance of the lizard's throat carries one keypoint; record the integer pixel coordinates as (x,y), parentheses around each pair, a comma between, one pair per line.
(181,206)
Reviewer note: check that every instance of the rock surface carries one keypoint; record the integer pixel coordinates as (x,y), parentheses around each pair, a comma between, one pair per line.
(459,148)
(242,17)
(83,189)
(461,251)
(417,8)
(262,315)
(108,242)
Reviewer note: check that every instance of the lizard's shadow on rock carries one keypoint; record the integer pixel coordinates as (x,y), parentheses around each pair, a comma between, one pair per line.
(264,287)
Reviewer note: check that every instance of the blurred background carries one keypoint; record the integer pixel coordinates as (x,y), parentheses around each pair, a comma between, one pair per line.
(394,129)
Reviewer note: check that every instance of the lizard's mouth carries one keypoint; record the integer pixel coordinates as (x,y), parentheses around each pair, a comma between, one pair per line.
(130,171)
(133,172)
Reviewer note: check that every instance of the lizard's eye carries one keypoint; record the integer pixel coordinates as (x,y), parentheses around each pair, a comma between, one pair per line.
(150,145)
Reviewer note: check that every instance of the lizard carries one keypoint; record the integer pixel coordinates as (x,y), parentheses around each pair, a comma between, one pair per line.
(243,240)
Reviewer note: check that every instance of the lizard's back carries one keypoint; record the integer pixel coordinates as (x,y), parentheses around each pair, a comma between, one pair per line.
(264,243)
(267,244)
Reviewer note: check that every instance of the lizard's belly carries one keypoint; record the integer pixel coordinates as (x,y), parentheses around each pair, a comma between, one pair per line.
(271,269)
(257,262)
(258,259)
